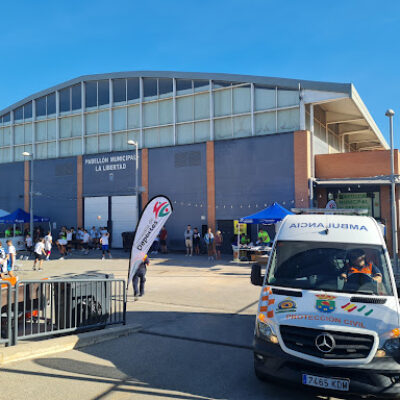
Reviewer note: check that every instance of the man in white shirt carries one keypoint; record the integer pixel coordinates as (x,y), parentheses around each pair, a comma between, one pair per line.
(39,253)
(3,261)
(85,241)
(48,242)
(104,241)
(11,257)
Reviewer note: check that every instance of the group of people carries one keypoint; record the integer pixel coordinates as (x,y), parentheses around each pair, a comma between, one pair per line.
(213,242)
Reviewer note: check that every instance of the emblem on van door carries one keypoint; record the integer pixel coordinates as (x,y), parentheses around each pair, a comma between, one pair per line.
(325,342)
(286,306)
(325,303)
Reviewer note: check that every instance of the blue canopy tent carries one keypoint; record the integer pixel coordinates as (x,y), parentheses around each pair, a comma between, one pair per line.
(20,216)
(270,215)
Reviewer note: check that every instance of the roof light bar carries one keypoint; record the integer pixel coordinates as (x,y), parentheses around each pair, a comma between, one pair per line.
(330,211)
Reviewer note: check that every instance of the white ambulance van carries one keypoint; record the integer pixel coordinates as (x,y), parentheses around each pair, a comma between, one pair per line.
(328,316)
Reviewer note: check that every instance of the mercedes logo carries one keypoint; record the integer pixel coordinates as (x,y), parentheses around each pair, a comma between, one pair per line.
(325,342)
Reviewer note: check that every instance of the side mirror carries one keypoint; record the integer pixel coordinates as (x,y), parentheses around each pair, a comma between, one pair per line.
(256,278)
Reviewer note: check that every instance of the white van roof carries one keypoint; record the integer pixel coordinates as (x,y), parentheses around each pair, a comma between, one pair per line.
(331,228)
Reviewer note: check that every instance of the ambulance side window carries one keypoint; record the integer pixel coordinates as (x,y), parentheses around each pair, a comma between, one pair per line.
(271,268)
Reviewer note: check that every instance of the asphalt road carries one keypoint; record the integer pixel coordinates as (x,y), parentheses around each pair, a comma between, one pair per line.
(197,320)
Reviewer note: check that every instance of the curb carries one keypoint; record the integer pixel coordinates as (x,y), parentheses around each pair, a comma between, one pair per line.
(26,351)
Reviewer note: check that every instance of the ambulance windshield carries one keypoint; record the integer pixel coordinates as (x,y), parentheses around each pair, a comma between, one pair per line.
(339,267)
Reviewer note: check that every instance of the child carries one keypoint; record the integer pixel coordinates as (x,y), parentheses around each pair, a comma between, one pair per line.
(104,244)
(48,242)
(3,261)
(11,256)
(85,241)
(40,254)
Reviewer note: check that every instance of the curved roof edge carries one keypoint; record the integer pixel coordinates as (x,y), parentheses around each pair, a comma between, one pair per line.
(286,83)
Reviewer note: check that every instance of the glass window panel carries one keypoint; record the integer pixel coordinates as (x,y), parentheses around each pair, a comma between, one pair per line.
(150,114)
(120,141)
(149,88)
(28,133)
(134,117)
(18,113)
(91,123)
(183,86)
(41,107)
(166,134)
(133,89)
(185,133)
(104,121)
(41,151)
(91,94)
(200,85)
(41,131)
(103,92)
(119,90)
(151,138)
(202,131)
(1,138)
(51,150)
(51,129)
(165,112)
(220,84)
(65,127)
(264,98)
(165,88)
(28,110)
(184,109)
(223,128)
(242,126)
(134,135)
(202,106)
(51,104)
(288,98)
(222,103)
(76,96)
(288,120)
(91,145)
(7,136)
(19,136)
(6,118)
(18,150)
(5,154)
(241,99)
(119,119)
(77,125)
(65,100)
(265,123)
(104,143)
(76,147)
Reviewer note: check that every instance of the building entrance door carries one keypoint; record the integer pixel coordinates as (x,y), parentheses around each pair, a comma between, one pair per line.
(96,212)
(124,218)
(226,228)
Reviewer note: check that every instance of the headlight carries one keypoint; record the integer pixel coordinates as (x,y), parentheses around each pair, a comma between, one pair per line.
(266,332)
(392,346)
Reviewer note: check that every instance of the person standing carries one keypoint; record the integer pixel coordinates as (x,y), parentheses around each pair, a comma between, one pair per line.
(69,240)
(163,240)
(3,261)
(196,241)
(188,235)
(218,244)
(85,241)
(104,241)
(40,254)
(140,274)
(209,239)
(11,257)
(263,237)
(48,243)
(28,243)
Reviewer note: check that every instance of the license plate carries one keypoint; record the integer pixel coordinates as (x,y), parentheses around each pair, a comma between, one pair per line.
(326,383)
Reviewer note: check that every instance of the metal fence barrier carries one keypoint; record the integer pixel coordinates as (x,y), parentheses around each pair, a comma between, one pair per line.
(37,308)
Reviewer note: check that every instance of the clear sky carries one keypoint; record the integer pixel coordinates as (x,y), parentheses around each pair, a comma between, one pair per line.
(45,42)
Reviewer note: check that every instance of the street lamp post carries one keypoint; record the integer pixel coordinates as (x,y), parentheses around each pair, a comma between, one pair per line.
(26,154)
(390,113)
(136,144)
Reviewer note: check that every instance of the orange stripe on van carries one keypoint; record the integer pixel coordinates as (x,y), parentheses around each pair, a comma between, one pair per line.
(270,314)
(264,308)
(271,301)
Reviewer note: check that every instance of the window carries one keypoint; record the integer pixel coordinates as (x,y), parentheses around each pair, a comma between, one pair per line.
(28,110)
(202,106)
(165,112)
(133,87)
(18,113)
(51,104)
(119,119)
(91,94)
(288,120)
(165,87)
(222,102)
(133,117)
(149,88)
(185,133)
(202,131)
(119,90)
(241,126)
(288,98)
(185,109)
(76,97)
(103,92)
(241,99)
(265,123)
(65,100)
(41,107)
(183,86)
(264,98)
(201,86)
(6,118)
(223,128)
(220,84)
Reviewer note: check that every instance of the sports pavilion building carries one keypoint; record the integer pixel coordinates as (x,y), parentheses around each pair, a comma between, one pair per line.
(219,146)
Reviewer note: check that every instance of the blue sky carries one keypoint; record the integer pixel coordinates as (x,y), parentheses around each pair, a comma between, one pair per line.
(47,42)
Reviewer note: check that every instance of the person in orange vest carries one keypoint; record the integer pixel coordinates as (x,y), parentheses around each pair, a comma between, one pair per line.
(359,265)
